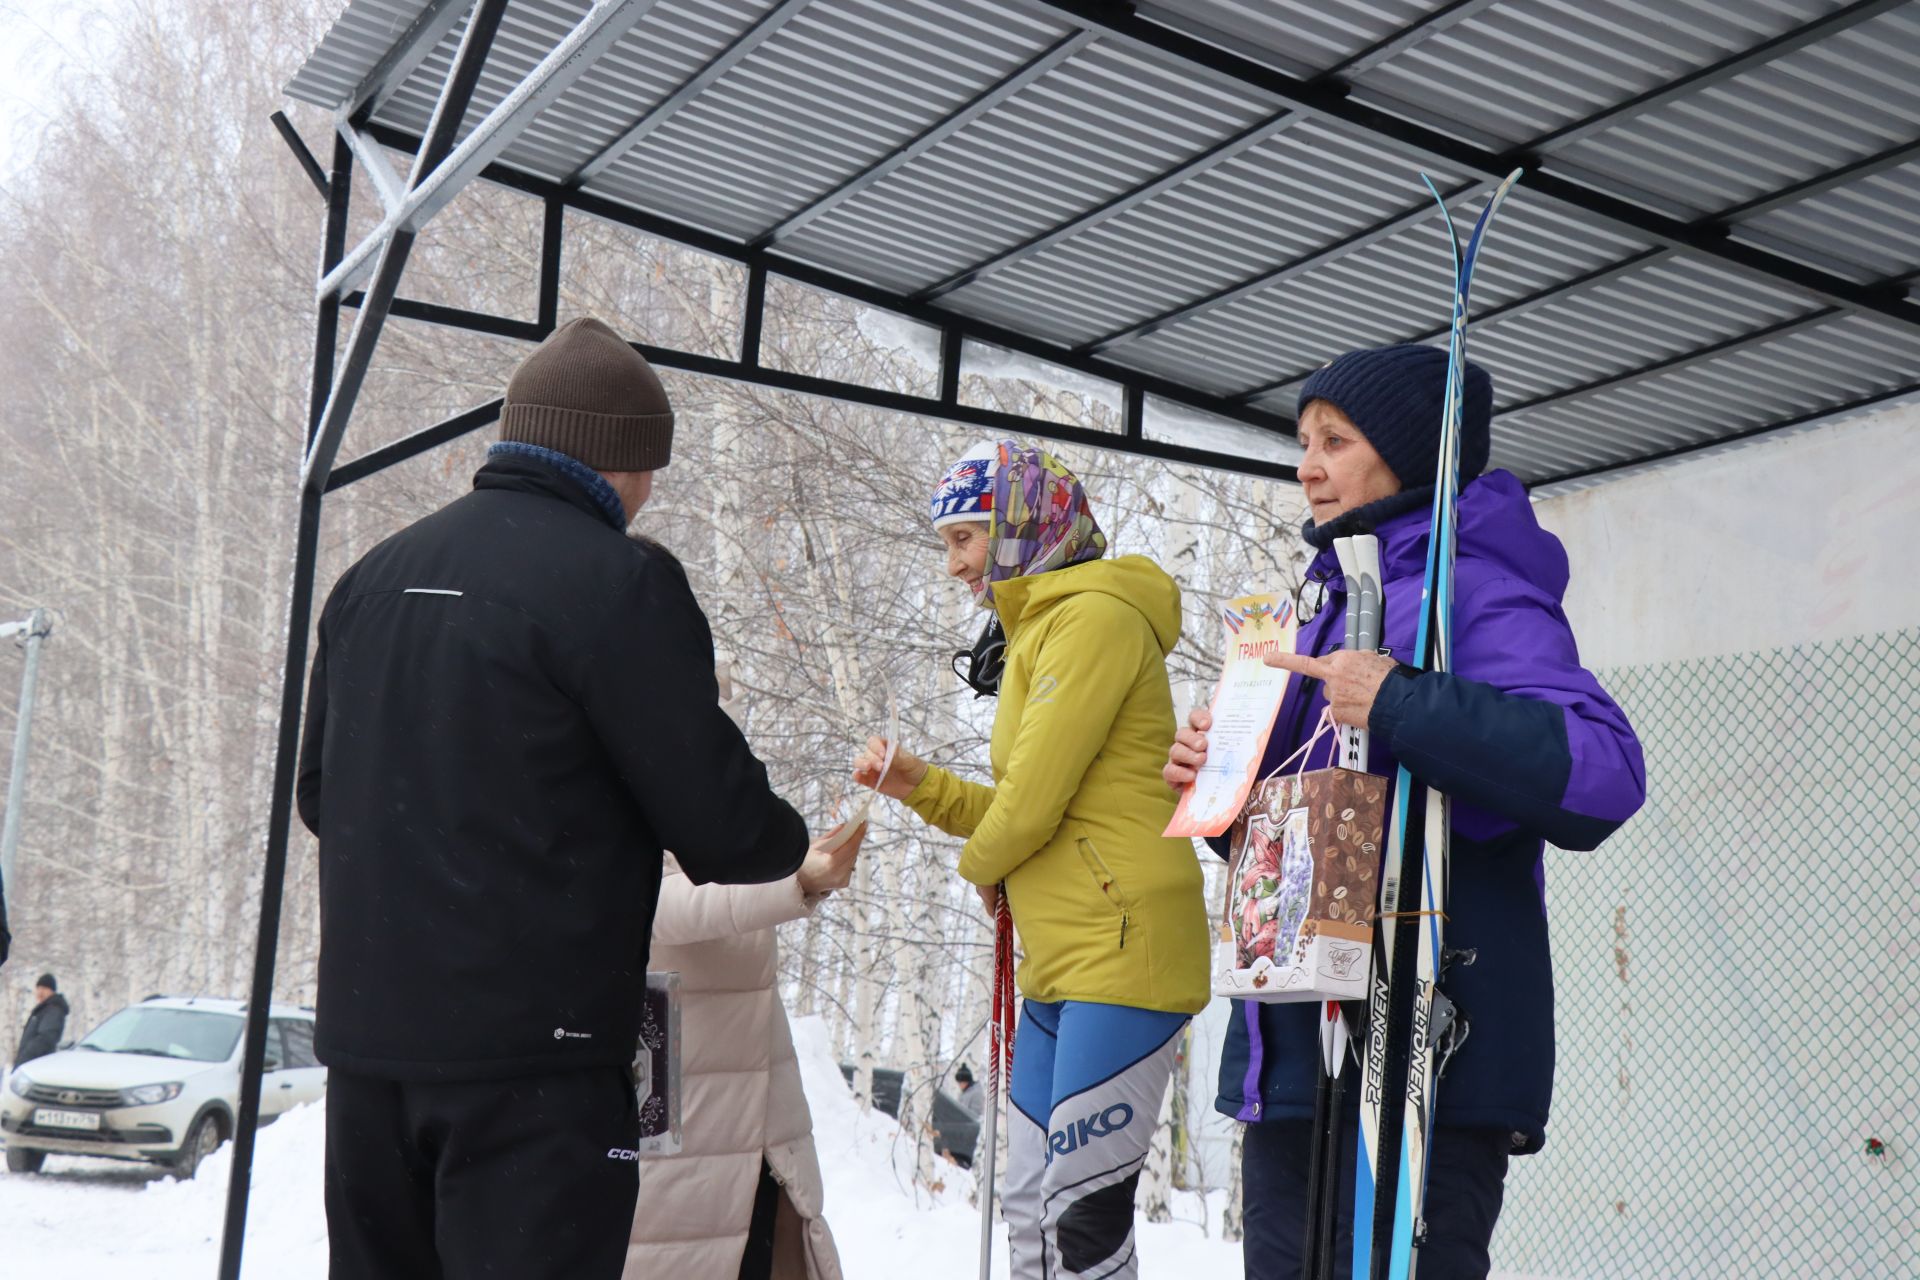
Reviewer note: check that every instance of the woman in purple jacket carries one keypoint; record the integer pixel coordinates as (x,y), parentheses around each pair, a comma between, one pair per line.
(1523,739)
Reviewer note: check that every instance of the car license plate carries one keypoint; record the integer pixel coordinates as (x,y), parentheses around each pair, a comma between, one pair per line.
(67,1119)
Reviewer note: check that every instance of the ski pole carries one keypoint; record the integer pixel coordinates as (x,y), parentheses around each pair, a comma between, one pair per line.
(999,1050)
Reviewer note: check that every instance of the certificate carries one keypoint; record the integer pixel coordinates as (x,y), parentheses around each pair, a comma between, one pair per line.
(1244,707)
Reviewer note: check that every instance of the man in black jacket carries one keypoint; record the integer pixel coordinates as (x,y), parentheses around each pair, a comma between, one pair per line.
(45,1024)
(513,711)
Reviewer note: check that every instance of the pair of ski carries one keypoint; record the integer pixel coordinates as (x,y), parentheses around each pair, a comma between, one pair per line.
(1407,1017)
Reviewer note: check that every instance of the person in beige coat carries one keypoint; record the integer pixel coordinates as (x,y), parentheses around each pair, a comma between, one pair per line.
(743,1196)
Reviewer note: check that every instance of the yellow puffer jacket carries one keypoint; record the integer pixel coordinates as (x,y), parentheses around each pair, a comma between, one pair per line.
(1108,909)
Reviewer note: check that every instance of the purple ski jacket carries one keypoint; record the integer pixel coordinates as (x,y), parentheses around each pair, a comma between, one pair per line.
(1529,747)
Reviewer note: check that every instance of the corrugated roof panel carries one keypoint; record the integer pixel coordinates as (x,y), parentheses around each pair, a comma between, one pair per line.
(1651,315)
(1874,223)
(1838,362)
(1522,69)
(1305,36)
(668,45)
(1101,124)
(842,85)
(1395,290)
(1288,199)
(1303,237)
(1814,109)
(351,48)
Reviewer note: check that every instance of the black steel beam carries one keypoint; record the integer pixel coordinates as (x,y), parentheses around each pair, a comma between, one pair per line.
(419,442)
(443,130)
(1133,416)
(1306,262)
(552,247)
(1706,77)
(1858,405)
(321,448)
(857,290)
(952,350)
(297,145)
(333,244)
(945,406)
(447,317)
(953,411)
(272,879)
(932,136)
(728,58)
(753,321)
(1331,102)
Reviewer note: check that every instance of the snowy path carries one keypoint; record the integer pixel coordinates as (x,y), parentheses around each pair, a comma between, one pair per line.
(91,1220)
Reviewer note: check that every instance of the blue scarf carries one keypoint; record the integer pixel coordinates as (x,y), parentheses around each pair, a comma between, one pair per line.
(580,473)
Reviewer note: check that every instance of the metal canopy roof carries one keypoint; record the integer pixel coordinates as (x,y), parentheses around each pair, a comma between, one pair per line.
(1206,199)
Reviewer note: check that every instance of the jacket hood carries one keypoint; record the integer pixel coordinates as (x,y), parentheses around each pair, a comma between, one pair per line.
(57,1001)
(1497,528)
(1135,579)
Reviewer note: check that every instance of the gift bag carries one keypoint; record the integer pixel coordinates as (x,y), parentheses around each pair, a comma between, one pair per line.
(1303,871)
(656,1066)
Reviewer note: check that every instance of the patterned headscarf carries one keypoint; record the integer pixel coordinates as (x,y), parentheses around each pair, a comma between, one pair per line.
(1039,518)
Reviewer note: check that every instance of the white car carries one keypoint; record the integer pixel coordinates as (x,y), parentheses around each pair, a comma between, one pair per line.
(158,1081)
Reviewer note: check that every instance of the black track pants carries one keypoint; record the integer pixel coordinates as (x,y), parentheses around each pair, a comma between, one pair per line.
(533,1178)
(1465,1185)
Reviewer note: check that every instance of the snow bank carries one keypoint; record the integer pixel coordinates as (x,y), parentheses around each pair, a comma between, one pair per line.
(83,1219)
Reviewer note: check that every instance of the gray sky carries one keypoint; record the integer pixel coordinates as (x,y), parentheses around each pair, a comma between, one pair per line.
(41,41)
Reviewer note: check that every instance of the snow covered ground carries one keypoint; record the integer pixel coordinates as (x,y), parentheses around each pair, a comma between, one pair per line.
(92,1220)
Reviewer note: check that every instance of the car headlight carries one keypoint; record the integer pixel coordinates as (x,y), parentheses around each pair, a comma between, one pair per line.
(20,1084)
(148,1094)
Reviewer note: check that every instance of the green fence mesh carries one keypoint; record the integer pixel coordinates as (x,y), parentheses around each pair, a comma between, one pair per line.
(1738,976)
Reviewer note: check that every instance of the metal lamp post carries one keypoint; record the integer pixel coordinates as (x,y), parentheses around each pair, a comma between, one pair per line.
(37,626)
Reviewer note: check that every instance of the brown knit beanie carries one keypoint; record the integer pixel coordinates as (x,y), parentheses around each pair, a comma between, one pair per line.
(585,393)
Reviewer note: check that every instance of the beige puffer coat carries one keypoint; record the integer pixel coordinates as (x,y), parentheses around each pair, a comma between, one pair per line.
(742,1100)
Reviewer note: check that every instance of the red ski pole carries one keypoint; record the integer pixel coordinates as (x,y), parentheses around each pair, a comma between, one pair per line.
(999,1055)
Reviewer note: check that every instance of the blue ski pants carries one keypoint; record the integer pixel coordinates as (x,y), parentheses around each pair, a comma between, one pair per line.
(1088,1080)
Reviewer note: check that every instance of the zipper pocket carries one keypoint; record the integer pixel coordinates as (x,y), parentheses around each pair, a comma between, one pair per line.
(1109,887)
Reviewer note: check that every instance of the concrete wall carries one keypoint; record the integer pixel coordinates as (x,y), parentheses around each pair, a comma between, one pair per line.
(1785,542)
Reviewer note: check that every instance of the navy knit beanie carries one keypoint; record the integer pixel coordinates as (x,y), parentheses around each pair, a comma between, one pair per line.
(1394,395)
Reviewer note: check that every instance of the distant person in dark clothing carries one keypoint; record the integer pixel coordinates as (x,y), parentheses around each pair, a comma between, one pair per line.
(46,1024)
(972,1096)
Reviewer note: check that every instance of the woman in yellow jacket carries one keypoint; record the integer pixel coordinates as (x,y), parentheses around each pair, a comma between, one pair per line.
(1109,911)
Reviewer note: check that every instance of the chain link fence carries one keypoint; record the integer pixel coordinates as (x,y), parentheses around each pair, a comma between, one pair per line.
(1738,976)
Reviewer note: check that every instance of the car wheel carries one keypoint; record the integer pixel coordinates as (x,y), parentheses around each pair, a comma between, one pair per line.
(20,1160)
(202,1141)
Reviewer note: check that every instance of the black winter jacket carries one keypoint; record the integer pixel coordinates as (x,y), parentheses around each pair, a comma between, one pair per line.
(512,712)
(45,1026)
